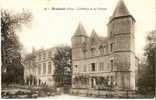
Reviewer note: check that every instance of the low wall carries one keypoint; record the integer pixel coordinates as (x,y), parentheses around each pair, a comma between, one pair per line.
(103,93)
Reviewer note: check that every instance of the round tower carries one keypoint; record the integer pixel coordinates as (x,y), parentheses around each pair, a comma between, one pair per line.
(121,44)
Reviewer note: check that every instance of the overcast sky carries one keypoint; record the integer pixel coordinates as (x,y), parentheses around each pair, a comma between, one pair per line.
(52,27)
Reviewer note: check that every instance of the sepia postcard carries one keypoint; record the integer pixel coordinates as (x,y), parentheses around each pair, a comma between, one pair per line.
(78,49)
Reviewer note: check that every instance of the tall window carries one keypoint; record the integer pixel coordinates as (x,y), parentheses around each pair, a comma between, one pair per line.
(49,67)
(85,68)
(93,66)
(112,80)
(44,55)
(111,47)
(101,66)
(112,64)
(39,69)
(104,50)
(92,83)
(111,34)
(93,51)
(85,53)
(101,50)
(44,68)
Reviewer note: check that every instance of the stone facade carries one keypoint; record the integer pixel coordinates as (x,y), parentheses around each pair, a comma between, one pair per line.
(39,67)
(105,63)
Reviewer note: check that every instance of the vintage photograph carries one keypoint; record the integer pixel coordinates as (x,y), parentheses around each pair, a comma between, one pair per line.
(78,49)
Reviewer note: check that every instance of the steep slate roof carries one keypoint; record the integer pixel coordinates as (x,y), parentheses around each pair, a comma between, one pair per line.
(120,10)
(80,31)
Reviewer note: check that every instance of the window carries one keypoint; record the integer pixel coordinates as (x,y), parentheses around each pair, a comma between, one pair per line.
(101,66)
(75,66)
(49,54)
(111,47)
(104,50)
(44,55)
(93,66)
(84,68)
(101,50)
(39,69)
(85,53)
(44,68)
(93,51)
(112,64)
(107,77)
(111,34)
(92,83)
(49,67)
(112,80)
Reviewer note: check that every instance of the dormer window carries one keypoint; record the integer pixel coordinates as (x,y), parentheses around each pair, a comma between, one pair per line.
(93,51)
(101,49)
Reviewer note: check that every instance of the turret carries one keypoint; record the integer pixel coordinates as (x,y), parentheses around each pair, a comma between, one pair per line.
(121,44)
(121,28)
(79,36)
(121,22)
(78,39)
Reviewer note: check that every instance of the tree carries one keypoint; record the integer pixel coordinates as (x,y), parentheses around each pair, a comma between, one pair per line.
(63,69)
(146,80)
(12,68)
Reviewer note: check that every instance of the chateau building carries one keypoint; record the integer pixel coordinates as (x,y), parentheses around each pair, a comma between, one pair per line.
(39,67)
(105,63)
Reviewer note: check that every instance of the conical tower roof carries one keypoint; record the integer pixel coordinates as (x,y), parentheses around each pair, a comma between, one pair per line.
(80,31)
(120,10)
